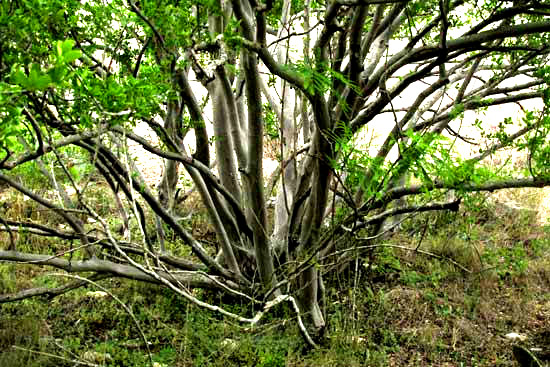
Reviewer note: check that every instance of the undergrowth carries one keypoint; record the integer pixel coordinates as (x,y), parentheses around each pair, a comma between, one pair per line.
(485,273)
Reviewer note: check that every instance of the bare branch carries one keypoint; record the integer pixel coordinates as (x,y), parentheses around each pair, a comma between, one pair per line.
(491,186)
(71,220)
(46,148)
(188,278)
(423,252)
(49,293)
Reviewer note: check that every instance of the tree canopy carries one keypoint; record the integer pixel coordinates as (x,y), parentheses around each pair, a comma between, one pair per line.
(311,80)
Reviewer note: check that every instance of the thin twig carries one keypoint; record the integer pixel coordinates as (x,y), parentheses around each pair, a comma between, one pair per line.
(458,265)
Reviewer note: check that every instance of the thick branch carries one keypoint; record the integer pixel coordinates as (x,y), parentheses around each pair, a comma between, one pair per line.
(291,76)
(475,40)
(188,278)
(46,148)
(49,293)
(71,220)
(512,183)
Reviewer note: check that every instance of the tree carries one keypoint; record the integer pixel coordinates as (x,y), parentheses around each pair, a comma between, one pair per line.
(78,77)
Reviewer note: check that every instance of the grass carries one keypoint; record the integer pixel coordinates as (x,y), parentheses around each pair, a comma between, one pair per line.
(404,309)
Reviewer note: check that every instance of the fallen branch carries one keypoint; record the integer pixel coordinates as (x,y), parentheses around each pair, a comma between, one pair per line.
(49,293)
(189,278)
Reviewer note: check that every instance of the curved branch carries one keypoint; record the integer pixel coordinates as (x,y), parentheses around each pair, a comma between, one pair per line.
(475,104)
(513,183)
(507,13)
(475,40)
(191,279)
(49,293)
(72,221)
(46,148)
(285,73)
(147,21)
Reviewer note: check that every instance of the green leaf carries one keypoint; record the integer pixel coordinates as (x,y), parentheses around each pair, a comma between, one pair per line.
(59,49)
(57,73)
(546,96)
(71,56)
(20,78)
(456,111)
(37,79)
(42,82)
(75,172)
(67,46)
(307,85)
